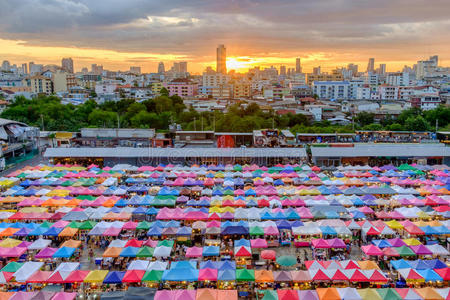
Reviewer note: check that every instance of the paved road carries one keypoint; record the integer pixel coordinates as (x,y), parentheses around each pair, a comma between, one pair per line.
(38,159)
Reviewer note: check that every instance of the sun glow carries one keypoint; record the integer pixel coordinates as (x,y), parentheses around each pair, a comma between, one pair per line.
(240,63)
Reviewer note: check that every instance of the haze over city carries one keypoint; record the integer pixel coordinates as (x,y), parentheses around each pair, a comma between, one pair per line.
(118,34)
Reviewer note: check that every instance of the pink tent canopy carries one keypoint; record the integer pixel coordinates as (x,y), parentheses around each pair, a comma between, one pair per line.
(258,243)
(194,252)
(207,274)
(320,244)
(64,296)
(336,243)
(372,250)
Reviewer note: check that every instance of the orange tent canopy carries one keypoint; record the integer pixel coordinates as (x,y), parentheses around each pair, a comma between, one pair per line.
(367,265)
(68,231)
(227,295)
(328,294)
(206,294)
(71,244)
(112,252)
(428,293)
(9,231)
(263,276)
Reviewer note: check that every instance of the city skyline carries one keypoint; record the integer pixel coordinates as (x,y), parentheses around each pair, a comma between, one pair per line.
(122,34)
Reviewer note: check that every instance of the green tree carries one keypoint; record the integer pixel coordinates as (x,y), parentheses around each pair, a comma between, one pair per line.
(164,92)
(417,123)
(395,127)
(364,118)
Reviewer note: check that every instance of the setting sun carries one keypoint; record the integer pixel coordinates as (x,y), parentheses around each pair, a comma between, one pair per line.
(240,63)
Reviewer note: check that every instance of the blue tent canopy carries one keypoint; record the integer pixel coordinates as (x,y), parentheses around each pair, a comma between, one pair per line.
(381,243)
(129,252)
(419,264)
(154,231)
(180,274)
(114,277)
(231,230)
(327,230)
(184,264)
(227,265)
(64,252)
(400,264)
(211,251)
(38,231)
(242,242)
(436,264)
(53,231)
(429,275)
(226,275)
(209,264)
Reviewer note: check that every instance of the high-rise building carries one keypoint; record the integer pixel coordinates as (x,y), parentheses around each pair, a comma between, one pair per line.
(67,64)
(135,70)
(30,65)
(283,70)
(353,68)
(298,66)
(183,66)
(179,67)
(36,68)
(6,66)
(371,65)
(435,59)
(221,64)
(382,69)
(161,69)
(24,68)
(96,69)
(316,70)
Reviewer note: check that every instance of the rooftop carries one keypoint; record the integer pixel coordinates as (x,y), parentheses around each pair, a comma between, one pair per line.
(383,150)
(175,152)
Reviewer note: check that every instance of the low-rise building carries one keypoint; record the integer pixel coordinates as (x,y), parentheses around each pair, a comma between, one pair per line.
(331,89)
(181,87)
(39,84)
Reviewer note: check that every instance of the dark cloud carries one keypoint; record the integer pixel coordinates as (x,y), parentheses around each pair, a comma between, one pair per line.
(258,26)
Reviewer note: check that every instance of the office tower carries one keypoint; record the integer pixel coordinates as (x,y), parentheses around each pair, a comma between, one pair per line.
(30,66)
(221,64)
(67,64)
(96,69)
(24,68)
(161,69)
(353,68)
(435,60)
(6,66)
(371,65)
(183,66)
(36,68)
(382,69)
(209,71)
(316,70)
(298,67)
(135,70)
(283,70)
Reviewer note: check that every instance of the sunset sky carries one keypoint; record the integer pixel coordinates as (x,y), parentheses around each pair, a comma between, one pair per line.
(121,33)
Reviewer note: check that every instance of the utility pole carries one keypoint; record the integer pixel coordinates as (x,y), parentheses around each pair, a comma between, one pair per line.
(437,125)
(42,121)
(195,125)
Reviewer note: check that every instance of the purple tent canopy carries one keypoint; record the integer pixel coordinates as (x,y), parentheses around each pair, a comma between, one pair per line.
(46,253)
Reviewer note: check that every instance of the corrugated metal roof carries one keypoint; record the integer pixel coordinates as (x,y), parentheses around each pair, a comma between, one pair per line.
(175,152)
(383,150)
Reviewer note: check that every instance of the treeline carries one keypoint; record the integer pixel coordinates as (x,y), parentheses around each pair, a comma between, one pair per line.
(48,113)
